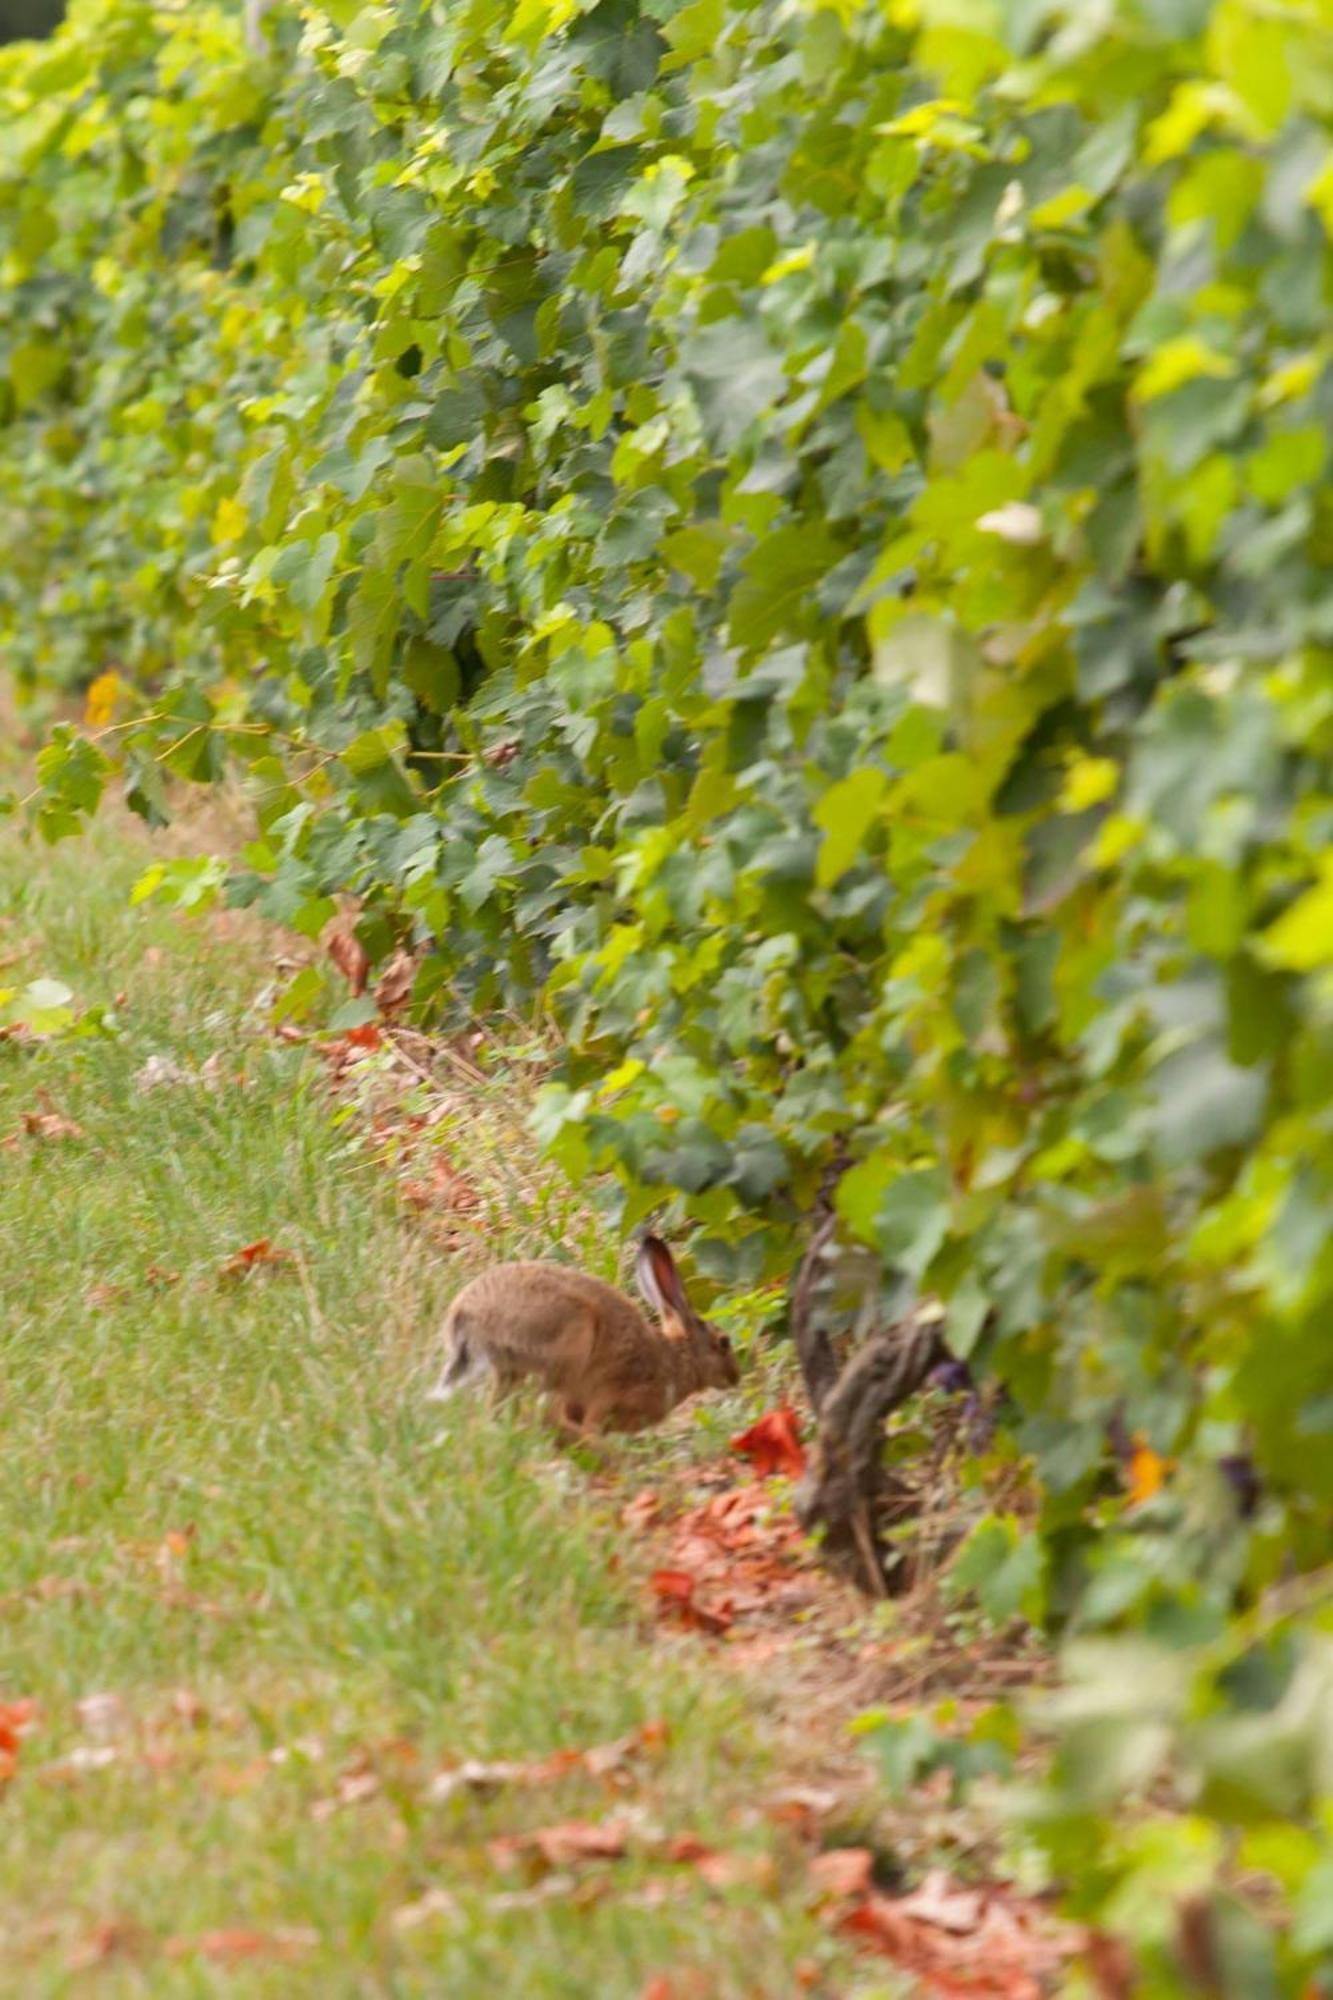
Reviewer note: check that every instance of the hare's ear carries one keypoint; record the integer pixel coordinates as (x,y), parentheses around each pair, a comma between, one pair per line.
(659,1280)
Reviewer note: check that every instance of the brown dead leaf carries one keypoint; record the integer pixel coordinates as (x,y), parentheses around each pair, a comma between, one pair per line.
(600,1760)
(445,1189)
(348,953)
(48,1123)
(253,1256)
(160,1279)
(393,989)
(564,1844)
(100,1298)
(737,1871)
(982,1944)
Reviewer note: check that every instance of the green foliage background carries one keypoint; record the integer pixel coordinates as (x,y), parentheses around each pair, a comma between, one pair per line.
(796,538)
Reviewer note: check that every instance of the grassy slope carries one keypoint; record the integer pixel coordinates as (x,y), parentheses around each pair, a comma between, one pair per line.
(361,1572)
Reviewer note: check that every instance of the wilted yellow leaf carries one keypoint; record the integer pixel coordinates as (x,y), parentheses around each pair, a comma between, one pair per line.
(229,520)
(101,699)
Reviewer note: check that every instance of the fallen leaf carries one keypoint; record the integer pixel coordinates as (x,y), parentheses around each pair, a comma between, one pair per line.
(99,1298)
(102,1715)
(109,1939)
(562,1844)
(773,1444)
(251,1256)
(843,1872)
(17,1720)
(676,1590)
(162,1073)
(581,1840)
(436,1902)
(446,1188)
(48,1123)
(228,1947)
(159,1278)
(641,1510)
(600,1760)
(364,1036)
(348,953)
(943,1903)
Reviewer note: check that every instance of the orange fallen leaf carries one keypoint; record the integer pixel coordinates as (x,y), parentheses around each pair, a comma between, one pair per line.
(251,1256)
(773,1444)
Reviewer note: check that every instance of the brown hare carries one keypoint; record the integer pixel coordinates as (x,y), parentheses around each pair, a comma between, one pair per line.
(605,1366)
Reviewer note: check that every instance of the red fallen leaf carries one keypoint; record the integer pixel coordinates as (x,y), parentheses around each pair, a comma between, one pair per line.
(773,1444)
(348,953)
(250,1256)
(843,1872)
(17,1720)
(676,1588)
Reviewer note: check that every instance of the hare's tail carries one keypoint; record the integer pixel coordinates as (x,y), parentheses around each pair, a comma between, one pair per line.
(466,1366)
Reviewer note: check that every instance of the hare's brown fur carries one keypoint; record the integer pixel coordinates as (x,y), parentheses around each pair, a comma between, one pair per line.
(603,1363)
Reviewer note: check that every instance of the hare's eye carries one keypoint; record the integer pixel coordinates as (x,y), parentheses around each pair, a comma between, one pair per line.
(724,1343)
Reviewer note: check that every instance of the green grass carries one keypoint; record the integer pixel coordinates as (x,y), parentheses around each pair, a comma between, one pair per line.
(237,1492)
